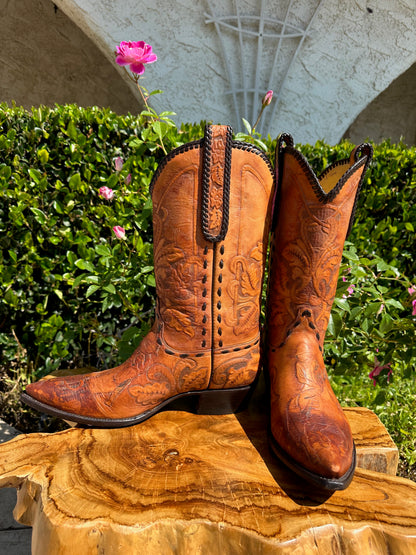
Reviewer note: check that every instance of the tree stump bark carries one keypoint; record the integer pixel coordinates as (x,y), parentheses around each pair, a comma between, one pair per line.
(183,483)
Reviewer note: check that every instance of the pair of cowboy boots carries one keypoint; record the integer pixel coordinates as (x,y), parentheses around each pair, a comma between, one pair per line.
(214,203)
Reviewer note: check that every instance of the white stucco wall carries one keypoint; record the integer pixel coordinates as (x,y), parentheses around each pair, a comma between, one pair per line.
(353,51)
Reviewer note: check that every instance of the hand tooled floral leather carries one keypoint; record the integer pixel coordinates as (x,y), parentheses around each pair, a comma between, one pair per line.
(307,421)
(206,334)
(147,378)
(216,181)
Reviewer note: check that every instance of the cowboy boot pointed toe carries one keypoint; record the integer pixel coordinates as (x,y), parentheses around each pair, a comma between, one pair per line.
(309,431)
(69,394)
(307,422)
(209,265)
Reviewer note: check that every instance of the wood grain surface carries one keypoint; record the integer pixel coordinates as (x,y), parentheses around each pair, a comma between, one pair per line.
(185,483)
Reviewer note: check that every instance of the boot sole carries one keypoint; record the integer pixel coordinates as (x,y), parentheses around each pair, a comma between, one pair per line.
(209,401)
(321,482)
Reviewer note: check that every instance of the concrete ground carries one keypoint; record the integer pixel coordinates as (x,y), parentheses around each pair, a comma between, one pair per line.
(15,539)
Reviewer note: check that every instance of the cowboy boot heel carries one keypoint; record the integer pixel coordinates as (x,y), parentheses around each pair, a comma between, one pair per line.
(224,401)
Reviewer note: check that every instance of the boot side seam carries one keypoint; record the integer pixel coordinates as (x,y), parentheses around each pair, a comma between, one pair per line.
(213,326)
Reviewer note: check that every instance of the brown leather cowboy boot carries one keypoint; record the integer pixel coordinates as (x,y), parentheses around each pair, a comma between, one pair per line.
(211,214)
(309,432)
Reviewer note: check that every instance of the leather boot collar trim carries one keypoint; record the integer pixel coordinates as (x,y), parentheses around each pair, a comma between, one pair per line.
(360,156)
(361,152)
(247,147)
(175,152)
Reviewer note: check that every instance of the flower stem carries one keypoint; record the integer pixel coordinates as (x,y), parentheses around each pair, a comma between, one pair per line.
(154,119)
(142,95)
(257,121)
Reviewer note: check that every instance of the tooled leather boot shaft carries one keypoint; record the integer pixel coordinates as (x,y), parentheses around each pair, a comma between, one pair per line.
(211,206)
(312,222)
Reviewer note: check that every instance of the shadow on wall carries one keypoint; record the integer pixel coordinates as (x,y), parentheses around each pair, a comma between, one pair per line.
(391,115)
(47,59)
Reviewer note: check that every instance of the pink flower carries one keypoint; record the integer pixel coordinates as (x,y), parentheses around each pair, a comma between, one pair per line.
(348,272)
(267,98)
(118,164)
(127,181)
(350,290)
(378,368)
(411,290)
(414,307)
(119,231)
(135,55)
(106,193)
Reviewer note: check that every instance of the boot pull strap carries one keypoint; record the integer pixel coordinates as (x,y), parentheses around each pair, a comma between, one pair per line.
(216,170)
(364,150)
(284,140)
(359,151)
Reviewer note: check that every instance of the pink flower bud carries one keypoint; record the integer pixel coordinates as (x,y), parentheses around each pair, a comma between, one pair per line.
(106,193)
(411,290)
(127,181)
(119,231)
(267,98)
(118,164)
(414,307)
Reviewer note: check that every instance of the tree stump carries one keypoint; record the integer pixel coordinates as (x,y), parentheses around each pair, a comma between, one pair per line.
(184,483)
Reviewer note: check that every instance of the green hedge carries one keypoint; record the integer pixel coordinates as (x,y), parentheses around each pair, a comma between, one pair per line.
(71,293)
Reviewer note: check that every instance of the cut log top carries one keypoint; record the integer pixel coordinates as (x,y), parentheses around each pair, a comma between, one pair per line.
(183,483)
